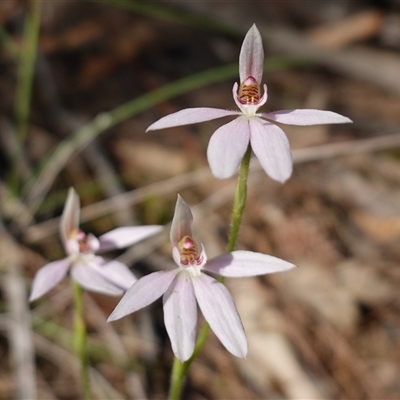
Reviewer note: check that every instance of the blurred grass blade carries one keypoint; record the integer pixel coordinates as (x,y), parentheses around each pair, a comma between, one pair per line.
(180,15)
(26,68)
(8,43)
(23,95)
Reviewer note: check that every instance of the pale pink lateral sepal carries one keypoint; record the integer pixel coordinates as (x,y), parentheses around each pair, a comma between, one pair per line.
(69,222)
(115,272)
(182,222)
(49,276)
(306,117)
(92,243)
(189,116)
(220,312)
(227,147)
(251,59)
(271,146)
(180,316)
(143,292)
(246,263)
(86,273)
(126,236)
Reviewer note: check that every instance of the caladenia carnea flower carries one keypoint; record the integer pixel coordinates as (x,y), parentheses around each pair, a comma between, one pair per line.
(269,143)
(90,271)
(188,284)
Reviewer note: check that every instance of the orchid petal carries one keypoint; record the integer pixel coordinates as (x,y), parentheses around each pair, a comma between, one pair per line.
(71,246)
(246,263)
(227,147)
(93,243)
(69,221)
(189,116)
(251,59)
(49,276)
(86,273)
(271,146)
(219,310)
(114,271)
(306,117)
(176,255)
(180,316)
(182,222)
(144,292)
(126,236)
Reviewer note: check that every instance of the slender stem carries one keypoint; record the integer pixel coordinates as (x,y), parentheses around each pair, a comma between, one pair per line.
(80,339)
(239,201)
(179,369)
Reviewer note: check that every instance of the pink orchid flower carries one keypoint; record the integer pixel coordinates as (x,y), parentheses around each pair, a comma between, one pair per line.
(92,272)
(269,143)
(187,284)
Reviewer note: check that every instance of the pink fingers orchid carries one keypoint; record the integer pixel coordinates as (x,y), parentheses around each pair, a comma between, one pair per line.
(187,285)
(269,143)
(91,271)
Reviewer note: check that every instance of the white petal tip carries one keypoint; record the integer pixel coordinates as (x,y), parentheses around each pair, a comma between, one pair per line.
(280,179)
(182,359)
(114,316)
(222,176)
(111,318)
(150,128)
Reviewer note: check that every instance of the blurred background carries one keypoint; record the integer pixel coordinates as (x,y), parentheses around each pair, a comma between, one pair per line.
(80,81)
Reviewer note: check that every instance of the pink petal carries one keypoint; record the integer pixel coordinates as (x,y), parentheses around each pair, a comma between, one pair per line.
(306,117)
(49,276)
(251,59)
(144,292)
(93,243)
(176,255)
(87,275)
(219,310)
(126,236)
(115,272)
(271,146)
(227,147)
(180,316)
(246,263)
(181,223)
(189,116)
(70,217)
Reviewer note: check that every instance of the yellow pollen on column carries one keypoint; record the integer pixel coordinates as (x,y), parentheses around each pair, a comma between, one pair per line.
(249,91)
(188,250)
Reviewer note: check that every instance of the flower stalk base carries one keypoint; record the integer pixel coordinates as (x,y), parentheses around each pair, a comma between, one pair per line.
(80,340)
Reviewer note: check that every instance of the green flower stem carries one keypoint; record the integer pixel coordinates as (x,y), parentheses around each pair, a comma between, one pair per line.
(240,200)
(179,369)
(80,339)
